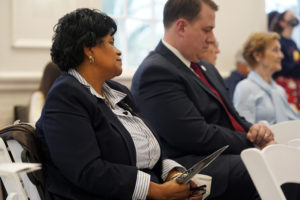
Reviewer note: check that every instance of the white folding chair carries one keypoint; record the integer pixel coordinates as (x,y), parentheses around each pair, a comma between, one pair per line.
(286,131)
(21,143)
(271,167)
(294,143)
(16,151)
(10,172)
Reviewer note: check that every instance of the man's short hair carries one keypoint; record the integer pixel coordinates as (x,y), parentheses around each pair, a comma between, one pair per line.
(187,9)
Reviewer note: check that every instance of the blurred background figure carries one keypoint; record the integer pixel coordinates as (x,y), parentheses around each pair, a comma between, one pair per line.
(289,77)
(240,73)
(50,74)
(211,54)
(271,16)
(258,98)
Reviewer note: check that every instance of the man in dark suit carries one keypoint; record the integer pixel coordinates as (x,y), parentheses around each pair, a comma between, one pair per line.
(188,104)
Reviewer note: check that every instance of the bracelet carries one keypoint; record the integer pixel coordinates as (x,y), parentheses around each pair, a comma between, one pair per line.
(175,176)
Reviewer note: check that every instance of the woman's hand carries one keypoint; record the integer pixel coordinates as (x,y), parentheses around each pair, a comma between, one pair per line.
(197,194)
(171,190)
(172,174)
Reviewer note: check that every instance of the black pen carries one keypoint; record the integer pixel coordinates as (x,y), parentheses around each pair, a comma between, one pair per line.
(201,187)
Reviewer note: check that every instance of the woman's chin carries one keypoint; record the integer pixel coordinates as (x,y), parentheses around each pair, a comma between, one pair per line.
(119,72)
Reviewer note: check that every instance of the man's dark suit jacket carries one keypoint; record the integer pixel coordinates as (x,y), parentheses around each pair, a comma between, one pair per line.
(88,153)
(186,114)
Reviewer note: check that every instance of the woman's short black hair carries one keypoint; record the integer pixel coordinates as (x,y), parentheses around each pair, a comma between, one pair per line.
(81,28)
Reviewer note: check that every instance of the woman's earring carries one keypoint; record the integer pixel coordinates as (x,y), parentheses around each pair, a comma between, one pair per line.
(91,59)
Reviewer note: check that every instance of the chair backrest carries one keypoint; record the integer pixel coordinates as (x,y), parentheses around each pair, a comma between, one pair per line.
(270,168)
(11,181)
(286,131)
(294,143)
(20,138)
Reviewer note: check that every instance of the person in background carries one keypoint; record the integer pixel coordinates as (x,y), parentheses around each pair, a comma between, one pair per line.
(211,54)
(240,73)
(50,74)
(94,143)
(271,16)
(258,98)
(289,76)
(185,100)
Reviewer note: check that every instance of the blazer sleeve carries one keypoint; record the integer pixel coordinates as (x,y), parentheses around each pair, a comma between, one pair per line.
(162,97)
(74,150)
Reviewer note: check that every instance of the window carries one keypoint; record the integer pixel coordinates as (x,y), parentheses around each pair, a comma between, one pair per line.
(281,6)
(139,27)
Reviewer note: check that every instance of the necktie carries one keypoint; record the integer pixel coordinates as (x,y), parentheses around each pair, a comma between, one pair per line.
(234,123)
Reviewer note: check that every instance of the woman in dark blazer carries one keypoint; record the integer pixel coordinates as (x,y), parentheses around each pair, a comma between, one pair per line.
(94,143)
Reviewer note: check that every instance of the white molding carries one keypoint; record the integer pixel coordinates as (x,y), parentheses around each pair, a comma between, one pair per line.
(19,81)
(32,43)
(29,81)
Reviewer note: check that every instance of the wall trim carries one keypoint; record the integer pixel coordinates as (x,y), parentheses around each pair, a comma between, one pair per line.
(19,81)
(29,81)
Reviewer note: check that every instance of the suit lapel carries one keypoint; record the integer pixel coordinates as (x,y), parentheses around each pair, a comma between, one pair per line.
(166,53)
(115,122)
(210,73)
(211,77)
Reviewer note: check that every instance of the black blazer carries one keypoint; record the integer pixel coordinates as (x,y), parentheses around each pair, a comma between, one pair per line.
(185,113)
(88,153)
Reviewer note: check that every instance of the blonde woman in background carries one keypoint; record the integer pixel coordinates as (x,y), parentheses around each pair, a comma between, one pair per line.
(258,97)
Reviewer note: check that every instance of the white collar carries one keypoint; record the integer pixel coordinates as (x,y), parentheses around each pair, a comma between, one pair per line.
(113,95)
(177,53)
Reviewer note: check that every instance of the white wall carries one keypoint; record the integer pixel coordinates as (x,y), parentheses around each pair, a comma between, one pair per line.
(20,68)
(235,21)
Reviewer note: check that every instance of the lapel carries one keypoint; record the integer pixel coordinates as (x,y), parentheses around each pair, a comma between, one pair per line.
(216,81)
(115,122)
(111,118)
(208,73)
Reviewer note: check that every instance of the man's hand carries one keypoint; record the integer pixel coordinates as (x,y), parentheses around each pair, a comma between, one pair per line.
(260,135)
(269,143)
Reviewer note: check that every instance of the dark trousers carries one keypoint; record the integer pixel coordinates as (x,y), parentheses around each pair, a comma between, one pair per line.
(240,185)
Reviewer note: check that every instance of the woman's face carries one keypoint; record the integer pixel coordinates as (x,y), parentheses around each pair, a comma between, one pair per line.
(108,57)
(271,60)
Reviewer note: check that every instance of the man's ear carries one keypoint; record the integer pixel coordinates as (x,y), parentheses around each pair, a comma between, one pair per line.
(181,26)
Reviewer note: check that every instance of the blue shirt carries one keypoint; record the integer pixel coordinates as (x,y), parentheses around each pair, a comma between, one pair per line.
(258,101)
